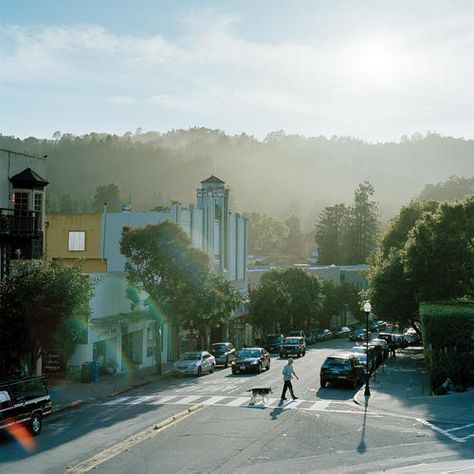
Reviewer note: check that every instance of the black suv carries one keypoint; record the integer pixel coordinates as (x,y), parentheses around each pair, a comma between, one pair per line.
(293,346)
(273,342)
(342,368)
(24,400)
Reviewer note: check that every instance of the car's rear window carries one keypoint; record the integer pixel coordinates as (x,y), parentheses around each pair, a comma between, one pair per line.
(292,340)
(337,362)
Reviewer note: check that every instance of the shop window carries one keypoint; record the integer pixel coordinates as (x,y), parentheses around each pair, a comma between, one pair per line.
(77,241)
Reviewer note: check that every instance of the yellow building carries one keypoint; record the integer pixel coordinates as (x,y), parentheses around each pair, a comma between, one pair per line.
(75,236)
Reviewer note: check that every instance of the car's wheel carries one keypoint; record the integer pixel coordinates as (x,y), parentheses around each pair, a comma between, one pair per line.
(298,355)
(226,363)
(259,368)
(212,369)
(268,365)
(234,371)
(354,384)
(323,383)
(36,424)
(304,353)
(282,355)
(199,371)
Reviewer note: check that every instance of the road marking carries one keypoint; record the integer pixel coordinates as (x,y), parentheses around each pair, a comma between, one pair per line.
(460,428)
(139,400)
(237,402)
(443,432)
(125,445)
(163,400)
(320,405)
(187,400)
(293,404)
(213,400)
(116,401)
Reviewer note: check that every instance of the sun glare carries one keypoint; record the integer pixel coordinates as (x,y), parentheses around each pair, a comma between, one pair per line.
(375,62)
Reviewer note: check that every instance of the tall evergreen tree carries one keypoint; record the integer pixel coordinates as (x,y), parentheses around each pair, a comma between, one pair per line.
(361,236)
(330,234)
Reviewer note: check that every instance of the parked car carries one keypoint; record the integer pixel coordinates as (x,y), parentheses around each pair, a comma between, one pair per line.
(358,335)
(324,335)
(362,350)
(299,333)
(342,368)
(344,331)
(412,337)
(26,401)
(383,344)
(194,363)
(223,352)
(251,359)
(273,342)
(293,346)
(395,341)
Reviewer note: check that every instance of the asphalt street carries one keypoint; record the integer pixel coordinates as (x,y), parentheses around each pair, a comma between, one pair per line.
(322,431)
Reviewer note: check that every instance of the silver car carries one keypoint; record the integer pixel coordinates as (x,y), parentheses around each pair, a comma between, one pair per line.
(194,363)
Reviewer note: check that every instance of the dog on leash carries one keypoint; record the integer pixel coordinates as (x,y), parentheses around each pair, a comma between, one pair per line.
(259,392)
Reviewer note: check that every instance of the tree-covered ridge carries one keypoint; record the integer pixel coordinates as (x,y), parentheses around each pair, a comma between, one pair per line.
(266,176)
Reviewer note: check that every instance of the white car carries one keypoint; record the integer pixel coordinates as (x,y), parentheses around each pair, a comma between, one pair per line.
(194,363)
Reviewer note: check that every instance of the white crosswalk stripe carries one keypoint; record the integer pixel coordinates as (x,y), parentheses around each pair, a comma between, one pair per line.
(293,404)
(189,399)
(320,405)
(238,401)
(139,400)
(117,401)
(213,400)
(163,400)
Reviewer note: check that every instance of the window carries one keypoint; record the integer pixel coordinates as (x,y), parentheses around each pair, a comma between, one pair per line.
(20,201)
(77,241)
(5,400)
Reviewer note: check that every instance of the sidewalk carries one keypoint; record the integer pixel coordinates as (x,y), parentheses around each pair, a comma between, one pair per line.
(401,387)
(67,393)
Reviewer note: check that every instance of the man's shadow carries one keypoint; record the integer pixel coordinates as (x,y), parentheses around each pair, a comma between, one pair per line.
(362,448)
(277,410)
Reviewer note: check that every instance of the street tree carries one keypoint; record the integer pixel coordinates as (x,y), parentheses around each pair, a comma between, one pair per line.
(337,299)
(36,301)
(291,297)
(439,253)
(176,276)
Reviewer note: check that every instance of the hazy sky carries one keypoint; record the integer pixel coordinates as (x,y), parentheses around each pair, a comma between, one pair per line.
(371,69)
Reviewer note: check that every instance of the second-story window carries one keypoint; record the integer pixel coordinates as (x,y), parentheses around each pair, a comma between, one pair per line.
(21,201)
(77,241)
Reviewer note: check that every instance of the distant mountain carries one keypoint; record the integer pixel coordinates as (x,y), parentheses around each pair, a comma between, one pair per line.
(281,175)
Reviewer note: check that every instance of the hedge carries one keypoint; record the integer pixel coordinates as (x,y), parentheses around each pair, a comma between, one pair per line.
(448,332)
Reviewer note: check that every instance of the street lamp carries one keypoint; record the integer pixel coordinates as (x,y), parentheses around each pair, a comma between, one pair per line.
(367,308)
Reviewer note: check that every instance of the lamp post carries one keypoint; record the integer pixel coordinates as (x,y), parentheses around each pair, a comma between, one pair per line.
(367,308)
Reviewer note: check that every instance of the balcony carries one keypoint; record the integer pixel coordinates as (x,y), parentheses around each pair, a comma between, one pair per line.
(19,222)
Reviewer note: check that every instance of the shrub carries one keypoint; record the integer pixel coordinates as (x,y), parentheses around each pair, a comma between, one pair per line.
(448,329)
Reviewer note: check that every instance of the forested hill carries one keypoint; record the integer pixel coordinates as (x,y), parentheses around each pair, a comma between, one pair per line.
(280,175)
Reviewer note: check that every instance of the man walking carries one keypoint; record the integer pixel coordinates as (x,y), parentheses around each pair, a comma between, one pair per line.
(288,372)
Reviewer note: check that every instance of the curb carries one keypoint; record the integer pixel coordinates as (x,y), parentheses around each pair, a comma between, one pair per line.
(136,385)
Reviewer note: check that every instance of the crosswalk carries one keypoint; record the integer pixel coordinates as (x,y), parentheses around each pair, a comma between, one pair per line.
(228,401)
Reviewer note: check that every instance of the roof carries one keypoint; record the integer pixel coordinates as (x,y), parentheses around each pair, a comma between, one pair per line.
(213,179)
(28,178)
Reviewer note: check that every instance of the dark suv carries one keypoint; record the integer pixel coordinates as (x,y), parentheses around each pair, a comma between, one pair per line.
(342,368)
(293,346)
(24,400)
(273,342)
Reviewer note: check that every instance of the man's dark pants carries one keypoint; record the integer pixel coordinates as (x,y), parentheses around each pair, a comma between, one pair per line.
(287,385)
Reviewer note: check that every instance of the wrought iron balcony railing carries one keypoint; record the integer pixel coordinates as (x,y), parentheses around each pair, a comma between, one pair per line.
(19,222)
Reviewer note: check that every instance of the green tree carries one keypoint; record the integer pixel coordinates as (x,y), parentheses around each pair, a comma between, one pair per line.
(266,235)
(330,234)
(450,190)
(361,235)
(109,194)
(294,239)
(292,297)
(439,254)
(36,300)
(176,276)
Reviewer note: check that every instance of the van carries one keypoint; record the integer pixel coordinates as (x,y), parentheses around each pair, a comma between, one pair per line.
(24,400)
